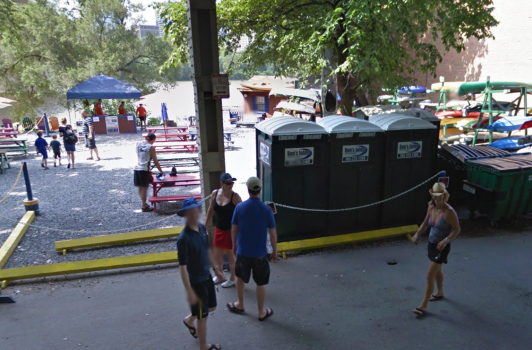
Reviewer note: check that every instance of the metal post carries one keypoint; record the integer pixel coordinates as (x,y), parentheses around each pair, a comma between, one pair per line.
(203,45)
(46,127)
(30,203)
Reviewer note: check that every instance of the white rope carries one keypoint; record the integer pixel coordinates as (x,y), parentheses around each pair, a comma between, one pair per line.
(359,207)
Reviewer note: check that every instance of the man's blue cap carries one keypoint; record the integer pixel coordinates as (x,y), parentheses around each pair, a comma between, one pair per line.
(226,177)
(188,203)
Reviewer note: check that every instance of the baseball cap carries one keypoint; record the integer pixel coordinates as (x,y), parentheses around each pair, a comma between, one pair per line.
(226,177)
(254,183)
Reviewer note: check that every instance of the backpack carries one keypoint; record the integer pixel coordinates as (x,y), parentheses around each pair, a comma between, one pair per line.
(70,137)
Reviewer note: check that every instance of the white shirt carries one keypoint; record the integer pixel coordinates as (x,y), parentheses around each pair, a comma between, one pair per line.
(143,156)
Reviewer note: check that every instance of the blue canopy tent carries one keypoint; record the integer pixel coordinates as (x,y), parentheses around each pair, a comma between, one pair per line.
(104,87)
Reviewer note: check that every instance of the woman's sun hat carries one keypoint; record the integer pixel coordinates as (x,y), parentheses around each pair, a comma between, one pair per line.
(189,203)
(439,189)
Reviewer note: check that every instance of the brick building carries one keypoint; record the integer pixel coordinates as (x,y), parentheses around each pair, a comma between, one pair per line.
(507,57)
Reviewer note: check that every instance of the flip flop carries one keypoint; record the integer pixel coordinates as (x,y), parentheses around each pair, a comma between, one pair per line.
(269,312)
(419,312)
(232,308)
(215,347)
(192,330)
(147,209)
(435,297)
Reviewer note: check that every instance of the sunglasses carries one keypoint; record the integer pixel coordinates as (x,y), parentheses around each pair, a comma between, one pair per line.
(229,183)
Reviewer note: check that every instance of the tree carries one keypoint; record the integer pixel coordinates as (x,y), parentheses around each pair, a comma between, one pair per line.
(56,47)
(374,42)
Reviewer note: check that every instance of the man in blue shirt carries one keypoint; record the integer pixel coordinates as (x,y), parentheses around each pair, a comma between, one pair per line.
(252,220)
(194,262)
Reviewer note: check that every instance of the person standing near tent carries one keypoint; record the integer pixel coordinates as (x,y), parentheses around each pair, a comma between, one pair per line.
(122,109)
(141,114)
(88,131)
(98,108)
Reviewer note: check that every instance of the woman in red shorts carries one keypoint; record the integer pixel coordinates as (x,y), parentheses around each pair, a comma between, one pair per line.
(223,203)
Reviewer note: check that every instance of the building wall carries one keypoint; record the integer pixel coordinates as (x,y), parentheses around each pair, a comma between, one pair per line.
(507,57)
(248,101)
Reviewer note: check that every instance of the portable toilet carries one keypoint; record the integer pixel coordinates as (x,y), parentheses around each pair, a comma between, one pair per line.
(292,159)
(356,149)
(409,159)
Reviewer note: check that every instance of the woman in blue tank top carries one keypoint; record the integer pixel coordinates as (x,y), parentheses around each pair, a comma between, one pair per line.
(444,227)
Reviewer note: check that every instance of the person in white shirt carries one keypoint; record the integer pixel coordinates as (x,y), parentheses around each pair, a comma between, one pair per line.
(142,175)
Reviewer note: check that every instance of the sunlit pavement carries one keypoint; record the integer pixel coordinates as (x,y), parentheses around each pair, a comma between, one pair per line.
(342,300)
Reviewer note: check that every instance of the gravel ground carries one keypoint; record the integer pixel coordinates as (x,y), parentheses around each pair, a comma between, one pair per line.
(99,196)
(96,197)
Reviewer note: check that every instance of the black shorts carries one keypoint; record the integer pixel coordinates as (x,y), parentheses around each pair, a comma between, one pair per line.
(90,143)
(259,266)
(435,255)
(57,155)
(206,296)
(141,178)
(142,119)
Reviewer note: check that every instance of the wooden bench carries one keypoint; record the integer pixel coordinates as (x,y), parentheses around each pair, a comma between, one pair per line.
(14,148)
(175,198)
(188,170)
(128,237)
(38,271)
(4,162)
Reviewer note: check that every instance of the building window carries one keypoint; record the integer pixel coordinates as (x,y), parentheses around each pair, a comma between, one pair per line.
(260,103)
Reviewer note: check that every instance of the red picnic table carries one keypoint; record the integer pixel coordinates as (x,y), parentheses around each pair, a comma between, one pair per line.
(6,129)
(181,180)
(179,136)
(159,129)
(175,146)
(8,134)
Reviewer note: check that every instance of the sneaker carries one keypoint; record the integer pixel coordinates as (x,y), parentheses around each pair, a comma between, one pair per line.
(42,165)
(228,284)
(216,280)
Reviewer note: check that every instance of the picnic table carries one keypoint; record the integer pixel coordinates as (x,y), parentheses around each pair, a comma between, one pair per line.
(181,180)
(179,136)
(175,146)
(4,162)
(227,137)
(158,129)
(8,134)
(14,145)
(6,129)
(178,159)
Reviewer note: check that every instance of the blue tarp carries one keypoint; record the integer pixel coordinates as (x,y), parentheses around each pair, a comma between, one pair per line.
(103,87)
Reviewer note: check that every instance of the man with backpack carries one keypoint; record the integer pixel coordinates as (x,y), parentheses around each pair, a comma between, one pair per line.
(69,141)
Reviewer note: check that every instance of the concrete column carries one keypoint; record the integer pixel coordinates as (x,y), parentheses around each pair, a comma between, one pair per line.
(203,45)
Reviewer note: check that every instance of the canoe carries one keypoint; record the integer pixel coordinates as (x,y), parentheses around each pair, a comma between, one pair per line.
(449,114)
(451,86)
(506,124)
(477,87)
(508,144)
(296,107)
(413,89)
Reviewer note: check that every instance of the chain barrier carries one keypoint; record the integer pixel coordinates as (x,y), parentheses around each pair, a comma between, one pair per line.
(70,231)
(359,207)
(12,187)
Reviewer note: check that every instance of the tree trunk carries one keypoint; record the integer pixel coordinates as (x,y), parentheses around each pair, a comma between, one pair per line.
(346,94)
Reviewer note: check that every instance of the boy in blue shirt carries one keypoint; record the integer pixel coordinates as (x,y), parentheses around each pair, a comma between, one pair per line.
(252,220)
(41,146)
(194,264)
(56,147)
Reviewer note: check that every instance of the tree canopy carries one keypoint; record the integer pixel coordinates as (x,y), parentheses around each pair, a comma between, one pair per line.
(55,47)
(374,43)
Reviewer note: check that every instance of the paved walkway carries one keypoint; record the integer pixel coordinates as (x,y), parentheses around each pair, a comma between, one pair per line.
(343,300)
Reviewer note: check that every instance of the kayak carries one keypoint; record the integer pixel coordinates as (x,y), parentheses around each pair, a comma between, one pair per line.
(508,143)
(413,89)
(447,114)
(506,124)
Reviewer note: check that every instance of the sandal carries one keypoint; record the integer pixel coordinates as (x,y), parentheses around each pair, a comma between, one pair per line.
(435,297)
(147,209)
(215,347)
(419,311)
(192,330)
(232,308)
(269,312)
(90,158)
(98,159)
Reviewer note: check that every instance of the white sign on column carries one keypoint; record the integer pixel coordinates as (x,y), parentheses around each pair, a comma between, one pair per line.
(220,86)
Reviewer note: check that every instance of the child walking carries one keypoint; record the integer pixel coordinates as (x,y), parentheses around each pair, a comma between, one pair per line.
(41,146)
(56,147)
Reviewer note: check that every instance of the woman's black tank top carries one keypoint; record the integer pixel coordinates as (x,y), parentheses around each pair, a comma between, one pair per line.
(224,213)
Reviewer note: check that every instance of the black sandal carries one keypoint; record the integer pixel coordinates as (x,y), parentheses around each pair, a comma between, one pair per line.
(435,297)
(269,312)
(419,312)
(147,209)
(232,308)
(215,347)
(192,330)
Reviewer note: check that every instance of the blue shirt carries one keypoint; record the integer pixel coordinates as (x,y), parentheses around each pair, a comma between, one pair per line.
(192,247)
(41,144)
(56,146)
(253,218)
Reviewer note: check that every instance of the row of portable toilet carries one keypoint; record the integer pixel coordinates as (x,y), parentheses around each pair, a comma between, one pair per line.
(342,162)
